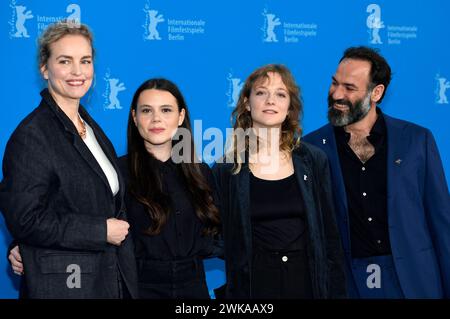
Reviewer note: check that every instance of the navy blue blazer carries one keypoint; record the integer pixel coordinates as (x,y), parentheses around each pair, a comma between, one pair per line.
(418,206)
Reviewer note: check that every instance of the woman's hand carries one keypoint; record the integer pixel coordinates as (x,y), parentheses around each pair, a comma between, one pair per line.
(116,230)
(16,260)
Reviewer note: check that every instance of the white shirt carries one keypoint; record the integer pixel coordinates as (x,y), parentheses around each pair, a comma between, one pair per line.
(103,161)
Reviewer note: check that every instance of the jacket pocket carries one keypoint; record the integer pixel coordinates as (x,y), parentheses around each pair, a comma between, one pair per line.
(63,263)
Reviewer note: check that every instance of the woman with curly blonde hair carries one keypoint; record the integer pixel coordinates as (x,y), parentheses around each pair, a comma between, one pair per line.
(280,233)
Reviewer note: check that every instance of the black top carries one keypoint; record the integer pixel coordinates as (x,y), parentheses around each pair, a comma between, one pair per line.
(277,214)
(324,244)
(181,237)
(366,188)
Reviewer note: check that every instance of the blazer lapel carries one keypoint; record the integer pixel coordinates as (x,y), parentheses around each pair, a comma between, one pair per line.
(304,178)
(86,154)
(340,196)
(107,149)
(397,147)
(112,157)
(77,142)
(242,188)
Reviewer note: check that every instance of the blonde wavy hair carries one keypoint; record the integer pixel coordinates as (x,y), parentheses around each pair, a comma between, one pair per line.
(291,130)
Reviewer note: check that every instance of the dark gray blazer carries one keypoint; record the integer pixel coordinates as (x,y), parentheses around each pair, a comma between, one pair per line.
(324,245)
(55,199)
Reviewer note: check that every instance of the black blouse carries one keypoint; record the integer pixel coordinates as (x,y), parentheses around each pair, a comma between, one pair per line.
(181,237)
(277,214)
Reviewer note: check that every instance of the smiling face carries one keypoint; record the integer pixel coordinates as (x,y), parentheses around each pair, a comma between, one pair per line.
(157,117)
(269,102)
(69,69)
(349,97)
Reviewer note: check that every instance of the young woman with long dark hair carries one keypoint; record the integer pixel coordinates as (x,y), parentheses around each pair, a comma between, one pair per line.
(170,196)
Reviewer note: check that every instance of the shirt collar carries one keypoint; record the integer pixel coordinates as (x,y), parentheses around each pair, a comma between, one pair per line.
(377,132)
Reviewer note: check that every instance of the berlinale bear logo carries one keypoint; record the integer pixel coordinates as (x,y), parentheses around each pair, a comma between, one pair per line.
(374,23)
(21,16)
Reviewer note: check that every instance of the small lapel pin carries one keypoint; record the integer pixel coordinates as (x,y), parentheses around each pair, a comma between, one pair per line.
(398,161)
(305,177)
(324,141)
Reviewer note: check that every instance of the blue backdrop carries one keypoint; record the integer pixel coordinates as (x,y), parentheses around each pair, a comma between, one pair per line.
(209,47)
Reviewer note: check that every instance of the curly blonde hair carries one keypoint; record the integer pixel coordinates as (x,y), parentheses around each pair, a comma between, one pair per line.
(291,130)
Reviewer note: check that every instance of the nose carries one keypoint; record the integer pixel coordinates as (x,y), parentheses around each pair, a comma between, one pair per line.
(76,69)
(270,98)
(156,117)
(337,92)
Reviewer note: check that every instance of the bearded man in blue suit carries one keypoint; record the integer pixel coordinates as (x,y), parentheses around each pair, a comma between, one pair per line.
(390,192)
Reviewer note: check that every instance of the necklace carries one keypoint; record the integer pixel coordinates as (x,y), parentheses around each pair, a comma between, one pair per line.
(82,133)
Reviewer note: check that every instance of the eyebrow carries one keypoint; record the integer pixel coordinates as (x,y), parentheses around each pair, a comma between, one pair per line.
(346,84)
(148,105)
(71,57)
(264,87)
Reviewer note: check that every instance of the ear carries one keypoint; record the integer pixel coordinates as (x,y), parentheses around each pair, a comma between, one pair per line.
(181,117)
(377,92)
(133,113)
(44,71)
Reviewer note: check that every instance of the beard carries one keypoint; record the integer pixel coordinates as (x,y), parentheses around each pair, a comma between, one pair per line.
(356,111)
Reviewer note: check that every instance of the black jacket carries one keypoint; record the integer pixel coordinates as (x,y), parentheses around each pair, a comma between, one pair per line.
(55,199)
(324,245)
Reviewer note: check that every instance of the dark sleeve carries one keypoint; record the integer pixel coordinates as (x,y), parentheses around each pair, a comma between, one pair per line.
(216,181)
(437,208)
(335,254)
(207,173)
(122,162)
(217,250)
(32,214)
(133,207)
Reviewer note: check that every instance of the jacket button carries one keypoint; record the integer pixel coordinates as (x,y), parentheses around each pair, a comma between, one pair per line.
(284,259)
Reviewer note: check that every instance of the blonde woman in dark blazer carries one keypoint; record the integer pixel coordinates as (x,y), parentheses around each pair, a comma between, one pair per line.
(61,194)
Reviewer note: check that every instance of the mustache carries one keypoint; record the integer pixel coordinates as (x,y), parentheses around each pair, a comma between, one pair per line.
(332,101)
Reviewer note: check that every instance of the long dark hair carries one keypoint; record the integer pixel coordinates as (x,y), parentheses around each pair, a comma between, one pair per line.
(145,182)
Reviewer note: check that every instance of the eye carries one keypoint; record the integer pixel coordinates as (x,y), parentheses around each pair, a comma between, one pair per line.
(282,94)
(260,92)
(145,110)
(166,110)
(63,61)
(86,61)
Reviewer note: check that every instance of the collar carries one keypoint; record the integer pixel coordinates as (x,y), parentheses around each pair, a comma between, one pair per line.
(377,132)
(67,123)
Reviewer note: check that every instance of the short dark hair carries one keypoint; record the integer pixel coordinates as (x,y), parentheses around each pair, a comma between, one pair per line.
(380,71)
